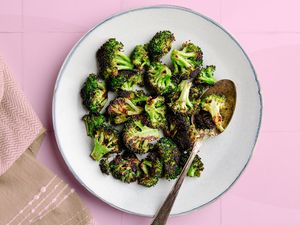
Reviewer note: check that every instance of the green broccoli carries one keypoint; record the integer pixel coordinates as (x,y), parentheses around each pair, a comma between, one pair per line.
(180,102)
(126,81)
(148,181)
(156,111)
(186,137)
(206,75)
(92,122)
(214,104)
(125,168)
(176,122)
(203,120)
(170,157)
(196,167)
(140,58)
(111,59)
(159,79)
(138,137)
(104,166)
(106,141)
(94,94)
(186,60)
(160,45)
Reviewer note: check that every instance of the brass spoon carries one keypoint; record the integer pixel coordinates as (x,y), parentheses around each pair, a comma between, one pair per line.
(222,87)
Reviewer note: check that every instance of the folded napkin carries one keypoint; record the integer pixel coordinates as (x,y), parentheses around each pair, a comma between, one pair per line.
(29,192)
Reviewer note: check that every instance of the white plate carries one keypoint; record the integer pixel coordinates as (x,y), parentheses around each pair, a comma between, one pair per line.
(225,156)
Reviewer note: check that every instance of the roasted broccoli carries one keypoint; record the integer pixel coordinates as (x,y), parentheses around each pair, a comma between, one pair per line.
(125,168)
(126,81)
(160,45)
(206,75)
(106,141)
(138,137)
(214,104)
(176,122)
(92,122)
(156,111)
(122,108)
(186,137)
(152,169)
(186,60)
(93,94)
(196,167)
(159,79)
(170,157)
(104,166)
(180,102)
(197,91)
(111,59)
(140,58)
(203,120)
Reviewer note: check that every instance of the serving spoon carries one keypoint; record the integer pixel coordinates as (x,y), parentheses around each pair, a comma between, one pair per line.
(223,87)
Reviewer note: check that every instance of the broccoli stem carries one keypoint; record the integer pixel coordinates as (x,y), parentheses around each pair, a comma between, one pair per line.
(146,131)
(134,109)
(99,150)
(184,100)
(123,62)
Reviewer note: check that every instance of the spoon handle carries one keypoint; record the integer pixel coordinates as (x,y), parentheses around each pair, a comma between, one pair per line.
(163,213)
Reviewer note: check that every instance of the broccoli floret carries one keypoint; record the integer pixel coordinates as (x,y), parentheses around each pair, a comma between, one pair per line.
(160,45)
(214,104)
(104,166)
(156,111)
(183,104)
(125,168)
(186,60)
(159,78)
(203,120)
(106,141)
(111,59)
(122,108)
(186,137)
(196,167)
(126,81)
(206,75)
(92,122)
(94,94)
(140,58)
(152,169)
(197,91)
(170,157)
(138,137)
(148,181)
(176,122)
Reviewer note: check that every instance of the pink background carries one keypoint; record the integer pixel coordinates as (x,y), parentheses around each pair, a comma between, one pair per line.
(35,37)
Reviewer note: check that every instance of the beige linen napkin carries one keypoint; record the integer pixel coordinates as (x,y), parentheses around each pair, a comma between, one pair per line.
(29,192)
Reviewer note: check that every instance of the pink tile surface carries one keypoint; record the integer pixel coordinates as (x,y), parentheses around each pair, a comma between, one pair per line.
(11,16)
(261,16)
(268,191)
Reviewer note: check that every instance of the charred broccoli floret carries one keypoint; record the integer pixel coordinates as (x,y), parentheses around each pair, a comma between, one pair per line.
(176,122)
(138,137)
(106,141)
(122,108)
(196,167)
(197,91)
(125,168)
(156,111)
(206,75)
(92,122)
(203,120)
(159,78)
(111,59)
(186,60)
(140,58)
(152,169)
(104,166)
(214,104)
(126,81)
(180,102)
(170,157)
(186,137)
(93,94)
(160,45)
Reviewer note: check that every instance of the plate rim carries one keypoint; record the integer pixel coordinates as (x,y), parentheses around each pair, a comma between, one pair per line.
(159,6)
